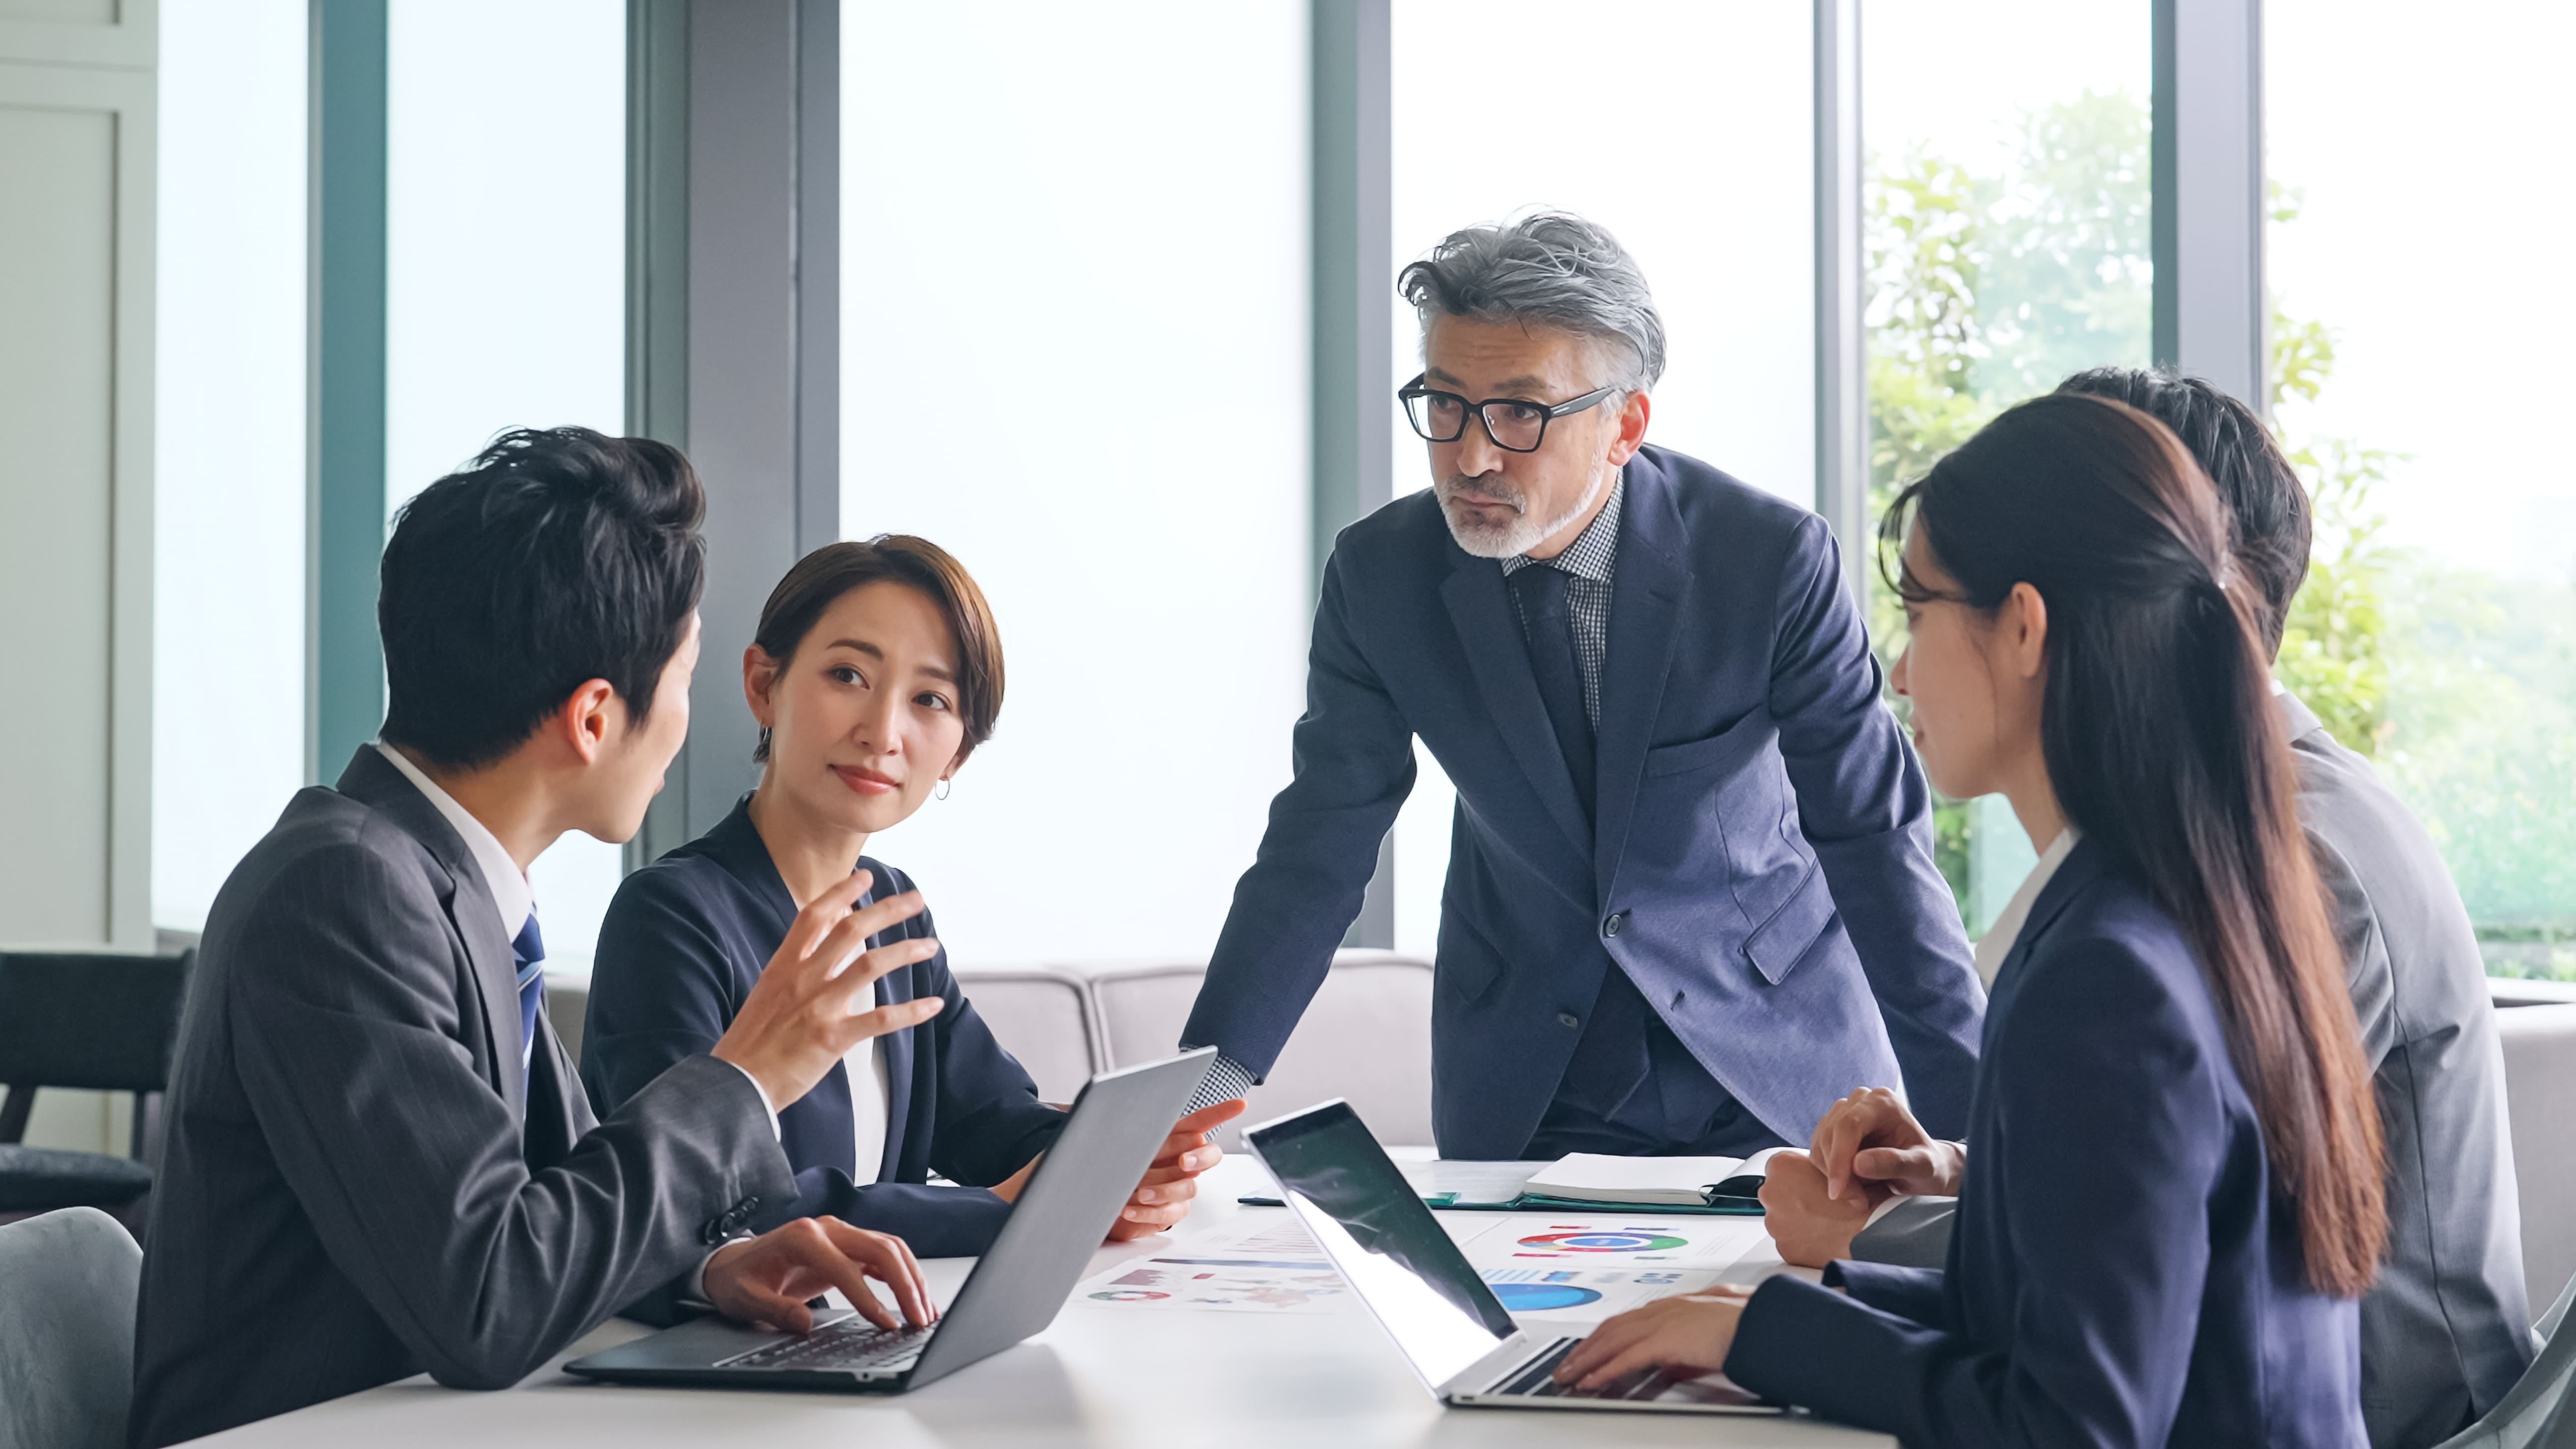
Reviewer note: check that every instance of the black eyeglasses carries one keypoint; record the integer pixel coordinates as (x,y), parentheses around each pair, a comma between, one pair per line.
(1517,425)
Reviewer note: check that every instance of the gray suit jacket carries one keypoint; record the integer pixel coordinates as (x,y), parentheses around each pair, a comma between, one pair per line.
(356,1186)
(2446,1330)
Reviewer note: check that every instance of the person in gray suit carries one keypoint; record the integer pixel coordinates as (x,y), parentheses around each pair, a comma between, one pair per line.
(2445,1331)
(380,1159)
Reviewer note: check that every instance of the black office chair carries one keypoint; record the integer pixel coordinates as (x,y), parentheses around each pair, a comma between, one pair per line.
(95,1021)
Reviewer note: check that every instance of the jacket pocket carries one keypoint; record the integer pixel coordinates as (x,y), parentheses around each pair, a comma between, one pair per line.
(1734,745)
(1778,945)
(1463,964)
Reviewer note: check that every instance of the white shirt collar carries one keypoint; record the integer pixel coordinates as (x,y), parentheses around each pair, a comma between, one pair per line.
(1997,942)
(501,875)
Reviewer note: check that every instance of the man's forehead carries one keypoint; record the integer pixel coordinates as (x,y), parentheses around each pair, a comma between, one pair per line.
(1502,355)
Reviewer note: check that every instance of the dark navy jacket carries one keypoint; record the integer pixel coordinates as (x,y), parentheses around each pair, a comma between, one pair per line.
(1762,862)
(2120,1274)
(683,942)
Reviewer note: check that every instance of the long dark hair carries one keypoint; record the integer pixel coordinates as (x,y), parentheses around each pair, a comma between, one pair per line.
(2164,747)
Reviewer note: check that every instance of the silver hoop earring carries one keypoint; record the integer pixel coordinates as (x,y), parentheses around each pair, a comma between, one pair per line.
(942,792)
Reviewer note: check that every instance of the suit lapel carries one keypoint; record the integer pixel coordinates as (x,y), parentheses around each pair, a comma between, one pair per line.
(1489,631)
(2078,870)
(470,907)
(892,987)
(1648,592)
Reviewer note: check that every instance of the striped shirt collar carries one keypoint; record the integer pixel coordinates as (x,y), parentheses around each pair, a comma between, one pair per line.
(1595,549)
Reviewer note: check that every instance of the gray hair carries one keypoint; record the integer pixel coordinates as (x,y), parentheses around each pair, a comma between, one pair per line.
(1550,269)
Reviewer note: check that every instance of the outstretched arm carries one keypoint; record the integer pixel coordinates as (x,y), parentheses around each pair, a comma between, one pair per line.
(1865,808)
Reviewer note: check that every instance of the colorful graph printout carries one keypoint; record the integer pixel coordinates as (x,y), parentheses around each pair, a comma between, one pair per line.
(1605,1240)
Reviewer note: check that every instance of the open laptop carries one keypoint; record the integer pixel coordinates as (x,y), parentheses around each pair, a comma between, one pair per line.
(1069,1204)
(1404,1266)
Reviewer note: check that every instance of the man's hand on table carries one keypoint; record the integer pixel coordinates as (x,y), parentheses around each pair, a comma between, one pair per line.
(767,1279)
(1162,1196)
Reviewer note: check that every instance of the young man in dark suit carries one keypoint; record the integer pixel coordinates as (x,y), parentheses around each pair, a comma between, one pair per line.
(380,1160)
(2443,1332)
(1691,897)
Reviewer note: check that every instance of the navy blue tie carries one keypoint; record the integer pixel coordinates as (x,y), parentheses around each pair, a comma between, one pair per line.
(530,949)
(1547,624)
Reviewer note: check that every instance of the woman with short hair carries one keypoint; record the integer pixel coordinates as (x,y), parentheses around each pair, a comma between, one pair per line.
(875,673)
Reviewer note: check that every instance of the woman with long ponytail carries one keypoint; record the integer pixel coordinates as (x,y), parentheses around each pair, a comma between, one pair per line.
(2177,1191)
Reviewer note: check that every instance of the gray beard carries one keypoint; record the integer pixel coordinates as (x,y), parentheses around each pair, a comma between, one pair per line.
(1520,535)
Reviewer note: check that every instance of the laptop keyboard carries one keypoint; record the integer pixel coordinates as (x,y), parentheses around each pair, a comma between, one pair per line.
(843,1345)
(1538,1381)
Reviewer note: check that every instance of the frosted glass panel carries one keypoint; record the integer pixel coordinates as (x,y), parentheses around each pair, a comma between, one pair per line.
(228,496)
(506,276)
(1074,352)
(1696,149)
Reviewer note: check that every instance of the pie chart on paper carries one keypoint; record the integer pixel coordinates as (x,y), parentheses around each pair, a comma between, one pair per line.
(1541,1297)
(1606,1240)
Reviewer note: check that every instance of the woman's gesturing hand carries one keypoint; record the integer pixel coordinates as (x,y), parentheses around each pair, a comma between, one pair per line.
(1869,1136)
(1691,1331)
(811,1004)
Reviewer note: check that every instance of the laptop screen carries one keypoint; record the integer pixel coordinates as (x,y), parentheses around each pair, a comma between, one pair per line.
(1400,1261)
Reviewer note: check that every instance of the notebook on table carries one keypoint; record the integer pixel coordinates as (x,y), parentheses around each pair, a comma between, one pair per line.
(1583,1181)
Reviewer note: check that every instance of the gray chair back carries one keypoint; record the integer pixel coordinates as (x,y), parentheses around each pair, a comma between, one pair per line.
(2539,1083)
(1044,1017)
(90,1019)
(1366,1038)
(67,1286)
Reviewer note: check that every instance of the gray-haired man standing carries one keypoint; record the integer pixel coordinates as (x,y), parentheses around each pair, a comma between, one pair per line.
(1691,898)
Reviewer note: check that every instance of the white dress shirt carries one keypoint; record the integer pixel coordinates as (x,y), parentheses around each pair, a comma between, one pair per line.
(869,1101)
(1997,942)
(501,875)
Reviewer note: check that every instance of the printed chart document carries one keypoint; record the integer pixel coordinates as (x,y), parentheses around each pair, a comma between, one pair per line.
(1573,1269)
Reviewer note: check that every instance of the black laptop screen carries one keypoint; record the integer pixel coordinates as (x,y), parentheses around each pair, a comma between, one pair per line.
(1400,1261)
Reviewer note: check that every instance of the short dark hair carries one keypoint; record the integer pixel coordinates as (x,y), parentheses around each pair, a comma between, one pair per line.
(823,576)
(2263,495)
(559,555)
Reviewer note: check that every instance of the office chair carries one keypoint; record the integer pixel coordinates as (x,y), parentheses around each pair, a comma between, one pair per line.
(68,1282)
(89,1020)
(2533,1414)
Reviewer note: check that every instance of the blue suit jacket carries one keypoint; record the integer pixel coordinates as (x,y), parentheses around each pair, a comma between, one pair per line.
(1763,836)
(683,942)
(2118,1274)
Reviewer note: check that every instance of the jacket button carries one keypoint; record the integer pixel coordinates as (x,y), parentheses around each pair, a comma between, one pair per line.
(1611,926)
(1568,1020)
(713,1232)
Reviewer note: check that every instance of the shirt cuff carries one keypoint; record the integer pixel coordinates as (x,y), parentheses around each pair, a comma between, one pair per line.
(766,1105)
(697,1294)
(1226,1080)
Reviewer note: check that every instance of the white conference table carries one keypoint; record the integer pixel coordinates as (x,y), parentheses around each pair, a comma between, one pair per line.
(1096,1377)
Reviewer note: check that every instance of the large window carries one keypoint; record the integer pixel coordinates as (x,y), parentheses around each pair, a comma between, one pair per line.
(1698,153)
(1074,353)
(505,276)
(228,496)
(2409,253)
(2007,202)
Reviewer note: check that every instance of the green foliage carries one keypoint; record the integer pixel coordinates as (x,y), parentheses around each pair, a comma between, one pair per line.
(1987,289)
(2334,652)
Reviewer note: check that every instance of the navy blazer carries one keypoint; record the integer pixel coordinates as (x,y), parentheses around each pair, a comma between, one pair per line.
(683,942)
(1762,862)
(2118,1274)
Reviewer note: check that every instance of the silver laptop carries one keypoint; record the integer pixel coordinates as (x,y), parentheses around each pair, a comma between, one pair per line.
(1405,1267)
(1014,1291)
